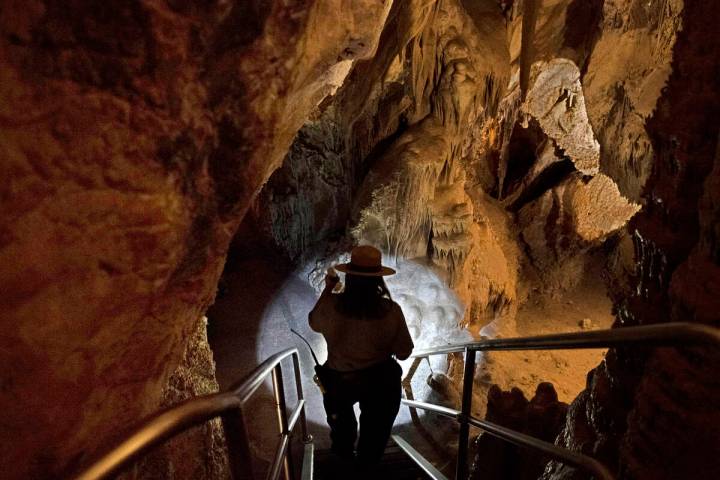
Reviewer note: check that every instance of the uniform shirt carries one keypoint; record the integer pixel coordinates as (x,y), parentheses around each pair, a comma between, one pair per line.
(355,343)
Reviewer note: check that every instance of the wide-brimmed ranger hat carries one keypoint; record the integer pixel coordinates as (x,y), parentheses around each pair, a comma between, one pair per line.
(365,261)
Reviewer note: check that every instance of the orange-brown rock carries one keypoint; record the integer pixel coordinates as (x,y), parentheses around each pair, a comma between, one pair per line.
(134,135)
(542,417)
(654,414)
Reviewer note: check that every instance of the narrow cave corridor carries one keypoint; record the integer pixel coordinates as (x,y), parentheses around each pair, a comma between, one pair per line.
(179,178)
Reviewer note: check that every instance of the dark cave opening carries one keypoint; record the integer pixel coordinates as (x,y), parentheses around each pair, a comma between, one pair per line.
(522,152)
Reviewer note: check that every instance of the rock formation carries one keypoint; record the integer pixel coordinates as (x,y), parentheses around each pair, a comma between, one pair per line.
(648,414)
(134,137)
(492,145)
(541,417)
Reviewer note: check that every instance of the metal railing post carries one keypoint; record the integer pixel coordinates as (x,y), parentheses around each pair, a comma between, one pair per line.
(300,396)
(465,413)
(308,467)
(279,392)
(238,444)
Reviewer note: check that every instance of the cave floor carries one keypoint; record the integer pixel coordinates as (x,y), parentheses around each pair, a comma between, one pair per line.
(545,314)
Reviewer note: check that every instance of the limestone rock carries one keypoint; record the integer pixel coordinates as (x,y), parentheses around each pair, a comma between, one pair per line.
(201,452)
(542,417)
(417,188)
(309,198)
(627,70)
(566,221)
(629,411)
(134,136)
(598,208)
(556,101)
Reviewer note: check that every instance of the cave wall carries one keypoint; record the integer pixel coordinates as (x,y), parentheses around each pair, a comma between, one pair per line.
(654,414)
(200,452)
(134,137)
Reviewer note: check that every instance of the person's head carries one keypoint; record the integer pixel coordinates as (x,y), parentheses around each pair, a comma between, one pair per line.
(368,288)
(365,287)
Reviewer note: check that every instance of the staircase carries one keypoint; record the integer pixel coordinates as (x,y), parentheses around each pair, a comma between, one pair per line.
(395,465)
(401,461)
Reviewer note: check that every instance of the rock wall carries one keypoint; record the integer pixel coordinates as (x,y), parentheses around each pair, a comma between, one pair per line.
(629,66)
(200,452)
(134,137)
(653,414)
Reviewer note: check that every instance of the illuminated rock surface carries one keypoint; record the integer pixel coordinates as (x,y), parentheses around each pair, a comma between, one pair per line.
(142,141)
(134,136)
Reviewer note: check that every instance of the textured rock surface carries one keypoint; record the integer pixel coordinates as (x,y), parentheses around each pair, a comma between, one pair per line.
(629,66)
(308,199)
(556,101)
(414,200)
(200,452)
(134,135)
(561,226)
(653,414)
(541,417)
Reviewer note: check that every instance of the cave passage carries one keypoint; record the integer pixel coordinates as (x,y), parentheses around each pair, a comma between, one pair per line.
(177,177)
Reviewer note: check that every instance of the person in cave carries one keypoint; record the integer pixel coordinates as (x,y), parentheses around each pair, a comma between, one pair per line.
(364,329)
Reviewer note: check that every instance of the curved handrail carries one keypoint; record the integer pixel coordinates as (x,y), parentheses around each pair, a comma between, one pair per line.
(169,423)
(666,334)
(245,388)
(580,460)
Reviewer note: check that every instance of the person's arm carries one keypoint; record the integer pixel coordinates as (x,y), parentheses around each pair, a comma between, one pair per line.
(316,317)
(403,344)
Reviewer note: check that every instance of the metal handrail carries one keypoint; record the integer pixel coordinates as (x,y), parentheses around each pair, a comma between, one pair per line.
(199,410)
(557,453)
(196,411)
(669,334)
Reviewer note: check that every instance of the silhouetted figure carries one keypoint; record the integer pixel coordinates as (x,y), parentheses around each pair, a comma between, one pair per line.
(364,328)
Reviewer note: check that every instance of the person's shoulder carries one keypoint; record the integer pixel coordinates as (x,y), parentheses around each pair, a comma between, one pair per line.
(392,307)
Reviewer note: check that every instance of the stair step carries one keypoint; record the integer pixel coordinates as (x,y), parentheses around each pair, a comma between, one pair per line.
(395,465)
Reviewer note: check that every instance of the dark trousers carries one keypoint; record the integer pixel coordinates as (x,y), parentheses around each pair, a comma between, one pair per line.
(377,389)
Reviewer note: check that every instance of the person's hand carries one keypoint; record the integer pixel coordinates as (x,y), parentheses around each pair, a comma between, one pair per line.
(331,278)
